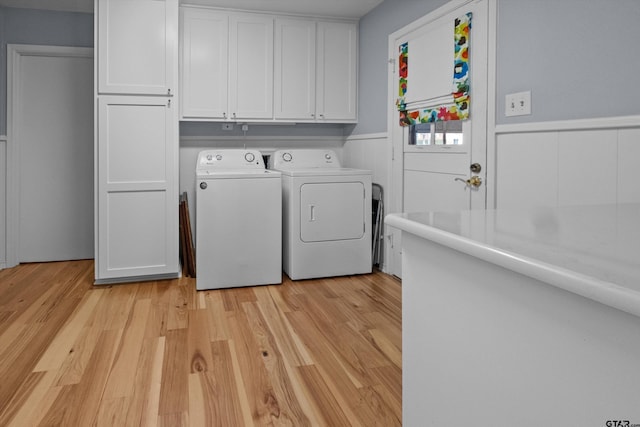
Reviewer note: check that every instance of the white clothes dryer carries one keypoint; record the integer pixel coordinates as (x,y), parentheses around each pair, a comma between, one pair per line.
(238,220)
(326,212)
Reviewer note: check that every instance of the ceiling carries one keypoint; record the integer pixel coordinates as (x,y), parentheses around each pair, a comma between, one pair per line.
(332,8)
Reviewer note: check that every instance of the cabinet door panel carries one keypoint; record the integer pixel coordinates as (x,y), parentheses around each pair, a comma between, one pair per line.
(336,80)
(295,69)
(137,232)
(251,67)
(135,153)
(204,50)
(137,45)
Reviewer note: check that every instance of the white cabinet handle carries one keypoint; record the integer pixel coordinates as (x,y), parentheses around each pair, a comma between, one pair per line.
(312,213)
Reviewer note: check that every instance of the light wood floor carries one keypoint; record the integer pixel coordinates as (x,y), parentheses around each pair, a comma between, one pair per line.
(317,352)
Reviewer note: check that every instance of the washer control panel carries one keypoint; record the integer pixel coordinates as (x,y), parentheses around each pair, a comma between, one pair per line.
(229,159)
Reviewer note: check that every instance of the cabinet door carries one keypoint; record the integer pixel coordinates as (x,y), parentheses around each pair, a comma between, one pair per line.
(336,79)
(251,67)
(295,70)
(137,46)
(204,49)
(137,232)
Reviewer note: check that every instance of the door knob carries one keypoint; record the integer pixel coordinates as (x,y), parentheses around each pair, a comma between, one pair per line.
(474,181)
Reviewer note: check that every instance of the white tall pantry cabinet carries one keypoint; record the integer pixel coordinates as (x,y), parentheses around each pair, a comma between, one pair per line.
(136,140)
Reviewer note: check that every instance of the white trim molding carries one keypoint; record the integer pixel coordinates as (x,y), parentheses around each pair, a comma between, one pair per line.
(569,125)
(3,201)
(368,136)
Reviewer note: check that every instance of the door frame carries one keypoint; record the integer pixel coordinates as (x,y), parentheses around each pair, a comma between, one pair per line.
(396,159)
(15,53)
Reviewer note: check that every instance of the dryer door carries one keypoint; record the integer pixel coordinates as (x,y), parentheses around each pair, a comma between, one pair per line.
(332,211)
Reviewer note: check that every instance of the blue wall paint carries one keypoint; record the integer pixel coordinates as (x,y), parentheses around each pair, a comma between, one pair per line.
(38,27)
(205,129)
(375,28)
(302,130)
(579,59)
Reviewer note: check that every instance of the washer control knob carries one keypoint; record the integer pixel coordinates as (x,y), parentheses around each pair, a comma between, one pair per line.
(249,157)
(218,157)
(327,156)
(209,157)
(203,185)
(287,157)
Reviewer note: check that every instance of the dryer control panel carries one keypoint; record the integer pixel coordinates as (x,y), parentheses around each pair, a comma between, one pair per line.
(304,159)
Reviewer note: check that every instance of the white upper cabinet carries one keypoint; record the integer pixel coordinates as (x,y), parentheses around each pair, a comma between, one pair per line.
(227,65)
(336,83)
(295,70)
(251,67)
(204,51)
(137,46)
(315,71)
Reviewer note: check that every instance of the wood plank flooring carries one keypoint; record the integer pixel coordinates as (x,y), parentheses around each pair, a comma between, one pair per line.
(323,352)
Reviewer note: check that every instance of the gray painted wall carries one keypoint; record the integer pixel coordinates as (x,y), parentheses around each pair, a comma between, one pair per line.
(206,129)
(578,58)
(28,26)
(578,61)
(375,28)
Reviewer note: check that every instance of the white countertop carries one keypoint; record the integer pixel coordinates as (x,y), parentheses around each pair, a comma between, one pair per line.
(593,251)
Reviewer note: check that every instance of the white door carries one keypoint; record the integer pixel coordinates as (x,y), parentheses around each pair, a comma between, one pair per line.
(332,211)
(433,175)
(51,153)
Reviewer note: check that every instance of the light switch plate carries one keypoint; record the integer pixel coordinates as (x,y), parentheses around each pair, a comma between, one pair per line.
(518,104)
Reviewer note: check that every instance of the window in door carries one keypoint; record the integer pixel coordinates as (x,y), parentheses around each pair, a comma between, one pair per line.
(436,133)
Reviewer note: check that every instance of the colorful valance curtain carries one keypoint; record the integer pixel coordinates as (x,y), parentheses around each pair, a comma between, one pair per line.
(454,106)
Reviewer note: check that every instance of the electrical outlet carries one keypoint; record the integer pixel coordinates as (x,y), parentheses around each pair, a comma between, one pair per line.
(518,104)
(227,126)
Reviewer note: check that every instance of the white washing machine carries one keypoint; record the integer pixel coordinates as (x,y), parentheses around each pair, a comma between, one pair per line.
(238,220)
(326,212)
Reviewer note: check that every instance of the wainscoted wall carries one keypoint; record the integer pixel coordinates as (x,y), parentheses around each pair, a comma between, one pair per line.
(3,201)
(565,163)
(373,152)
